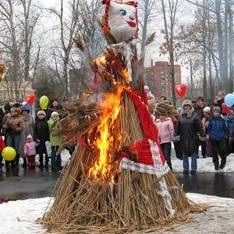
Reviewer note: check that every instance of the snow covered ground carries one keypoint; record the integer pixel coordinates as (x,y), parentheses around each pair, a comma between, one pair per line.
(204,165)
(20,217)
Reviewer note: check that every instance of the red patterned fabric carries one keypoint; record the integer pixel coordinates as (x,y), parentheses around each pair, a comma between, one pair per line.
(150,131)
(147,125)
(142,150)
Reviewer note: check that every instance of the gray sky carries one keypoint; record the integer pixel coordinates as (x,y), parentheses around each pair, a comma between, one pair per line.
(185,15)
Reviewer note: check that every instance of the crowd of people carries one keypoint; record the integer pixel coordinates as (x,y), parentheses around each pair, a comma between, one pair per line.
(197,125)
(30,136)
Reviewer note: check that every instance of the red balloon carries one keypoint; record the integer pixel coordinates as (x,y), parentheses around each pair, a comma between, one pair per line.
(225,108)
(181,89)
(30,99)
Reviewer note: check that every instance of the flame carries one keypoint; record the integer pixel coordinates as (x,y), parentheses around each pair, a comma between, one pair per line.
(102,168)
(101,61)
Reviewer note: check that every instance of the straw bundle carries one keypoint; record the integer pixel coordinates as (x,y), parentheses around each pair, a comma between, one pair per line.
(132,202)
(165,108)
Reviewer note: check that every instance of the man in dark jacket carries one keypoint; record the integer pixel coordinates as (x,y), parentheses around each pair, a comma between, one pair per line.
(218,134)
(189,127)
(199,106)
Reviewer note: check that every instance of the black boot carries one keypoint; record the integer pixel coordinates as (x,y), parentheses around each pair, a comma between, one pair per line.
(7,164)
(41,160)
(216,165)
(25,163)
(193,172)
(223,163)
(185,172)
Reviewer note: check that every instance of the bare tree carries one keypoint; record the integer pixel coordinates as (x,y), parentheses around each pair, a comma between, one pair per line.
(18,21)
(67,29)
(83,21)
(169,16)
(147,8)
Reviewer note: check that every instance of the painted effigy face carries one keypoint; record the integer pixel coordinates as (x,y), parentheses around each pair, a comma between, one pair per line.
(122,21)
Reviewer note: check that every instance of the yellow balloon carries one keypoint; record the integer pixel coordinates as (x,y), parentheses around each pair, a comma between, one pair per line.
(44,102)
(8,153)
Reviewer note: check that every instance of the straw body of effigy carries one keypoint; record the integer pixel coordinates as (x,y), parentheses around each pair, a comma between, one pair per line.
(131,202)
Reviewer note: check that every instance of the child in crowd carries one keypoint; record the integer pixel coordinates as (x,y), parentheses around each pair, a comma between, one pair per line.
(42,134)
(13,126)
(166,132)
(205,144)
(55,142)
(218,133)
(230,126)
(30,151)
(2,146)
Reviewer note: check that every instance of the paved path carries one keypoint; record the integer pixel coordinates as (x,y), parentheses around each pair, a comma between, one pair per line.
(35,184)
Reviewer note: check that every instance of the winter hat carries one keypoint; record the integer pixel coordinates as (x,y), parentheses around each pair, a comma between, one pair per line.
(7,106)
(41,112)
(187,102)
(55,114)
(29,137)
(217,109)
(25,108)
(206,109)
(146,88)
(17,110)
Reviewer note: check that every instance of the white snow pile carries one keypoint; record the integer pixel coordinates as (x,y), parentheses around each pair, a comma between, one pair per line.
(21,216)
(204,165)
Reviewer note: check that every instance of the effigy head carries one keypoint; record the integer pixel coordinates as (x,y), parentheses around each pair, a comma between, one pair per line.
(120,19)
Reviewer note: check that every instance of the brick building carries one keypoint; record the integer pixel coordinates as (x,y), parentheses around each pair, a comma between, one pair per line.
(157,77)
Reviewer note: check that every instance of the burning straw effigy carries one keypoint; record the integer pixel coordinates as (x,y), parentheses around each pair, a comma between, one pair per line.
(117,180)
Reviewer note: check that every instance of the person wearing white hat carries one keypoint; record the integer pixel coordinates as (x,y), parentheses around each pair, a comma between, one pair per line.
(30,151)
(41,132)
(188,128)
(55,141)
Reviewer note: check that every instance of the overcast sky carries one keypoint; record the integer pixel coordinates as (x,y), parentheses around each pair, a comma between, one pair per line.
(185,15)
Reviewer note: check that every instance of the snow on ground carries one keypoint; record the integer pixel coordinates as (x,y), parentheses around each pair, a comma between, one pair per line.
(204,165)
(20,217)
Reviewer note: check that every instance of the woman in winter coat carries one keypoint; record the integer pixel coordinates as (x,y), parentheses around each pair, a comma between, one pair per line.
(188,128)
(41,134)
(55,142)
(165,132)
(13,127)
(28,124)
